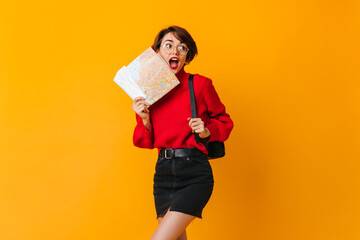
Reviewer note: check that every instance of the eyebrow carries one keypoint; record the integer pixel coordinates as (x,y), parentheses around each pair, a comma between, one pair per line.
(172,41)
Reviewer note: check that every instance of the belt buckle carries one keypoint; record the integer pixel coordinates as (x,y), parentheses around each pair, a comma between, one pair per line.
(166,153)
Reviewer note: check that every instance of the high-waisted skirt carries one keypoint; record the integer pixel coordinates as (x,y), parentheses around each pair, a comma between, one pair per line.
(182,184)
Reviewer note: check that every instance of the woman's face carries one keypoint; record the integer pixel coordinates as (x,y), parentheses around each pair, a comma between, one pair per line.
(173,52)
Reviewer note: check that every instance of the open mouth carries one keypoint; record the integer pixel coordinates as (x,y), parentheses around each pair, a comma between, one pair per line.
(173,62)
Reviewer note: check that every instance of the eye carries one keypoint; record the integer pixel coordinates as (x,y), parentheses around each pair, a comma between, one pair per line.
(168,45)
(182,48)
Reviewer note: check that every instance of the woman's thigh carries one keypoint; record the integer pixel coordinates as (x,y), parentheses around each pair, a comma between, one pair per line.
(172,226)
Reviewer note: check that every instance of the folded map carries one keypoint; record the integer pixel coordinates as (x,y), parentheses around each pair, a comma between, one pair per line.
(147,76)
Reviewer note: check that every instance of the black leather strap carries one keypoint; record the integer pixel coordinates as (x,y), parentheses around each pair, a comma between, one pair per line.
(169,153)
(193,103)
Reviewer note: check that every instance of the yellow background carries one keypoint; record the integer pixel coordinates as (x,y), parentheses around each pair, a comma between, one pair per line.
(287,71)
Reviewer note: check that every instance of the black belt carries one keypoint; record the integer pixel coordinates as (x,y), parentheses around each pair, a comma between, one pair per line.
(169,153)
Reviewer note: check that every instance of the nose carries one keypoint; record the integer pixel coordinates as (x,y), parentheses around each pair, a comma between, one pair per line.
(176,51)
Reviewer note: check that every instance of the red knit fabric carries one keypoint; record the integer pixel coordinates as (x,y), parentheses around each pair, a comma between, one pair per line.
(168,117)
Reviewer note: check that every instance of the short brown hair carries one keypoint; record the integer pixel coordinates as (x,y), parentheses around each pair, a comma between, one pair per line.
(182,35)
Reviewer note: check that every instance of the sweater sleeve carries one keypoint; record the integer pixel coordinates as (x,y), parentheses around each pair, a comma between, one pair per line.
(220,123)
(142,137)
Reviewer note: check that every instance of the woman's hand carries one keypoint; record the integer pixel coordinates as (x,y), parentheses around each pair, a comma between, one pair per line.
(197,125)
(141,108)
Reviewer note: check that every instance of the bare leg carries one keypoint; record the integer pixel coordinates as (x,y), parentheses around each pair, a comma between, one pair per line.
(183,236)
(172,226)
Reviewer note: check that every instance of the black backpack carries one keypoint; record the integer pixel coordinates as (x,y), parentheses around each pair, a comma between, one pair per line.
(215,149)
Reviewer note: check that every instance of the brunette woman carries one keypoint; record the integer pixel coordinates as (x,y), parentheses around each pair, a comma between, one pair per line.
(183,180)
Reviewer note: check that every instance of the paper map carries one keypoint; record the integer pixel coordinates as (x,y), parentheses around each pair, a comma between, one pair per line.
(148,76)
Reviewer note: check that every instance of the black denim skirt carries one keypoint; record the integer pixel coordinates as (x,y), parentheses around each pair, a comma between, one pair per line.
(182,184)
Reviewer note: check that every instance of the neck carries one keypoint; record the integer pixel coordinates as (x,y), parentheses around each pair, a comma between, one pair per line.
(181,73)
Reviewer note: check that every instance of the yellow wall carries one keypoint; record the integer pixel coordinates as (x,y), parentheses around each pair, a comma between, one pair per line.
(288,72)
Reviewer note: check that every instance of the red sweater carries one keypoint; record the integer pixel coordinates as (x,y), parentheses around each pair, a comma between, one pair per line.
(169,126)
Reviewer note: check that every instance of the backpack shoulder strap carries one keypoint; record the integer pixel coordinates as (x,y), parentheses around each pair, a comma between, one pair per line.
(193,103)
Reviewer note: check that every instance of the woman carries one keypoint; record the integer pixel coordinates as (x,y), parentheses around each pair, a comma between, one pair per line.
(183,180)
